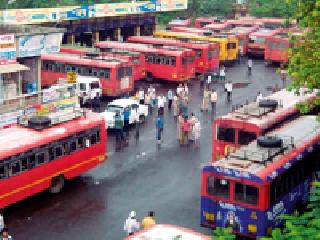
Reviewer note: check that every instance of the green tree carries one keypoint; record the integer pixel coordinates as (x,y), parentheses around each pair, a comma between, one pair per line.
(223,234)
(215,7)
(272,8)
(302,227)
(304,61)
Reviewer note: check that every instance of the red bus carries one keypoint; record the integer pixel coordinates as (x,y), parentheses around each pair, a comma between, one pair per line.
(257,41)
(203,21)
(115,75)
(251,188)
(166,231)
(34,160)
(219,27)
(206,54)
(171,64)
(274,23)
(277,47)
(179,23)
(243,23)
(245,124)
(135,58)
(242,34)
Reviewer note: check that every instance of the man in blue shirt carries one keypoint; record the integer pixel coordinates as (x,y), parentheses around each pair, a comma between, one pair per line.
(159,126)
(126,115)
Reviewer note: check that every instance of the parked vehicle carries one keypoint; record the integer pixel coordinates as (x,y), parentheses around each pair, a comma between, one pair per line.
(89,88)
(119,105)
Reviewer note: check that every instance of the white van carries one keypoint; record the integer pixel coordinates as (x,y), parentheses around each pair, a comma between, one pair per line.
(89,88)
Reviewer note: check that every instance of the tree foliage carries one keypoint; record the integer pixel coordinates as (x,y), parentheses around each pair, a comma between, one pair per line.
(272,8)
(223,234)
(302,227)
(304,56)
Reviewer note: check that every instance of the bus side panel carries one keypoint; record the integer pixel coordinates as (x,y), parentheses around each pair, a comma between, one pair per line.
(25,184)
(50,78)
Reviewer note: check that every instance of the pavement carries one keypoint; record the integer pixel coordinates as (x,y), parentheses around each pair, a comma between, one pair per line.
(141,177)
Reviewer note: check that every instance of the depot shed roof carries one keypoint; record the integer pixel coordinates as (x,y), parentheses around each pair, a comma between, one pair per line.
(23,30)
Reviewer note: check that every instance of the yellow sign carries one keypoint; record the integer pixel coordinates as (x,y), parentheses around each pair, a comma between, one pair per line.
(72,77)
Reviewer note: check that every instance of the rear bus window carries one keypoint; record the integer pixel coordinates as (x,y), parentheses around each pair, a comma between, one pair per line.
(246,194)
(226,134)
(231,45)
(218,187)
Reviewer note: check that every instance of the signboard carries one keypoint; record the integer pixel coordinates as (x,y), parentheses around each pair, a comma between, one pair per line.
(72,77)
(7,49)
(35,45)
(42,15)
(10,118)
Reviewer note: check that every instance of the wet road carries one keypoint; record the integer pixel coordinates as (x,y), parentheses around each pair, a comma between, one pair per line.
(140,178)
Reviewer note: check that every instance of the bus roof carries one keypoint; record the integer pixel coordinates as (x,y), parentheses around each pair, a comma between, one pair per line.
(78,59)
(260,164)
(264,119)
(264,32)
(243,30)
(177,42)
(179,22)
(167,232)
(144,48)
(190,35)
(19,139)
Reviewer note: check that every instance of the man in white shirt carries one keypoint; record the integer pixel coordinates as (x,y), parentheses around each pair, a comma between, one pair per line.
(259,97)
(161,102)
(213,100)
(209,80)
(228,87)
(250,63)
(131,224)
(141,96)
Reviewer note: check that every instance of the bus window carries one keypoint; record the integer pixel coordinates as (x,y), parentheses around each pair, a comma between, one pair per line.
(73,146)
(260,40)
(226,134)
(282,46)
(241,42)
(218,187)
(41,158)
(94,85)
(271,45)
(3,171)
(58,151)
(32,161)
(24,164)
(129,71)
(15,168)
(246,194)
(198,53)
(82,86)
(136,60)
(246,137)
(173,61)
(120,73)
(231,45)
(213,53)
(107,73)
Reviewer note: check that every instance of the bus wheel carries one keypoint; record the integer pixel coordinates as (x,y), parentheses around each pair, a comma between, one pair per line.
(150,77)
(57,184)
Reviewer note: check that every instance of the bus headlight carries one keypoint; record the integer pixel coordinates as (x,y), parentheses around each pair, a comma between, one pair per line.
(200,63)
(174,75)
(252,228)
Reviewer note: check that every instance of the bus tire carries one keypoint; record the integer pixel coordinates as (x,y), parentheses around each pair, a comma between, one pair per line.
(39,122)
(149,77)
(142,118)
(268,103)
(57,183)
(269,142)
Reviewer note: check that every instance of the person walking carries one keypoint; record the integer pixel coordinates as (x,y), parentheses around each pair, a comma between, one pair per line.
(136,121)
(147,101)
(159,126)
(250,63)
(126,117)
(201,81)
(185,103)
(213,100)
(259,97)
(186,90)
(175,106)
(148,221)
(196,130)
(161,102)
(170,98)
(283,75)
(185,127)
(228,86)
(118,125)
(222,73)
(179,90)
(179,131)
(141,96)
(209,80)
(131,224)
(192,121)
(205,100)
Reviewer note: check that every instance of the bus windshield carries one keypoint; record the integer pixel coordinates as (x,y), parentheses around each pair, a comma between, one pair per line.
(246,194)
(226,134)
(218,187)
(114,108)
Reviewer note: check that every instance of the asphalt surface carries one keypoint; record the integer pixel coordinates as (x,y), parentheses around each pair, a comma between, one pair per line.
(141,177)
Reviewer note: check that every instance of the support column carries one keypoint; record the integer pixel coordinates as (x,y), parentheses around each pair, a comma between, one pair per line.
(117,34)
(38,72)
(137,31)
(71,38)
(19,84)
(95,37)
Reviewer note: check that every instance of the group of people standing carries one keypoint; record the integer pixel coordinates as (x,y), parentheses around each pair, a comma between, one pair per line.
(132,225)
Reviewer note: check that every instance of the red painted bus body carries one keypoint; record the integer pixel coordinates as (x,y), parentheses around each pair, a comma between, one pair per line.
(115,75)
(31,159)
(219,27)
(198,31)
(179,23)
(257,41)
(170,64)
(203,21)
(135,58)
(277,46)
(242,34)
(240,127)
(207,54)
(274,23)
